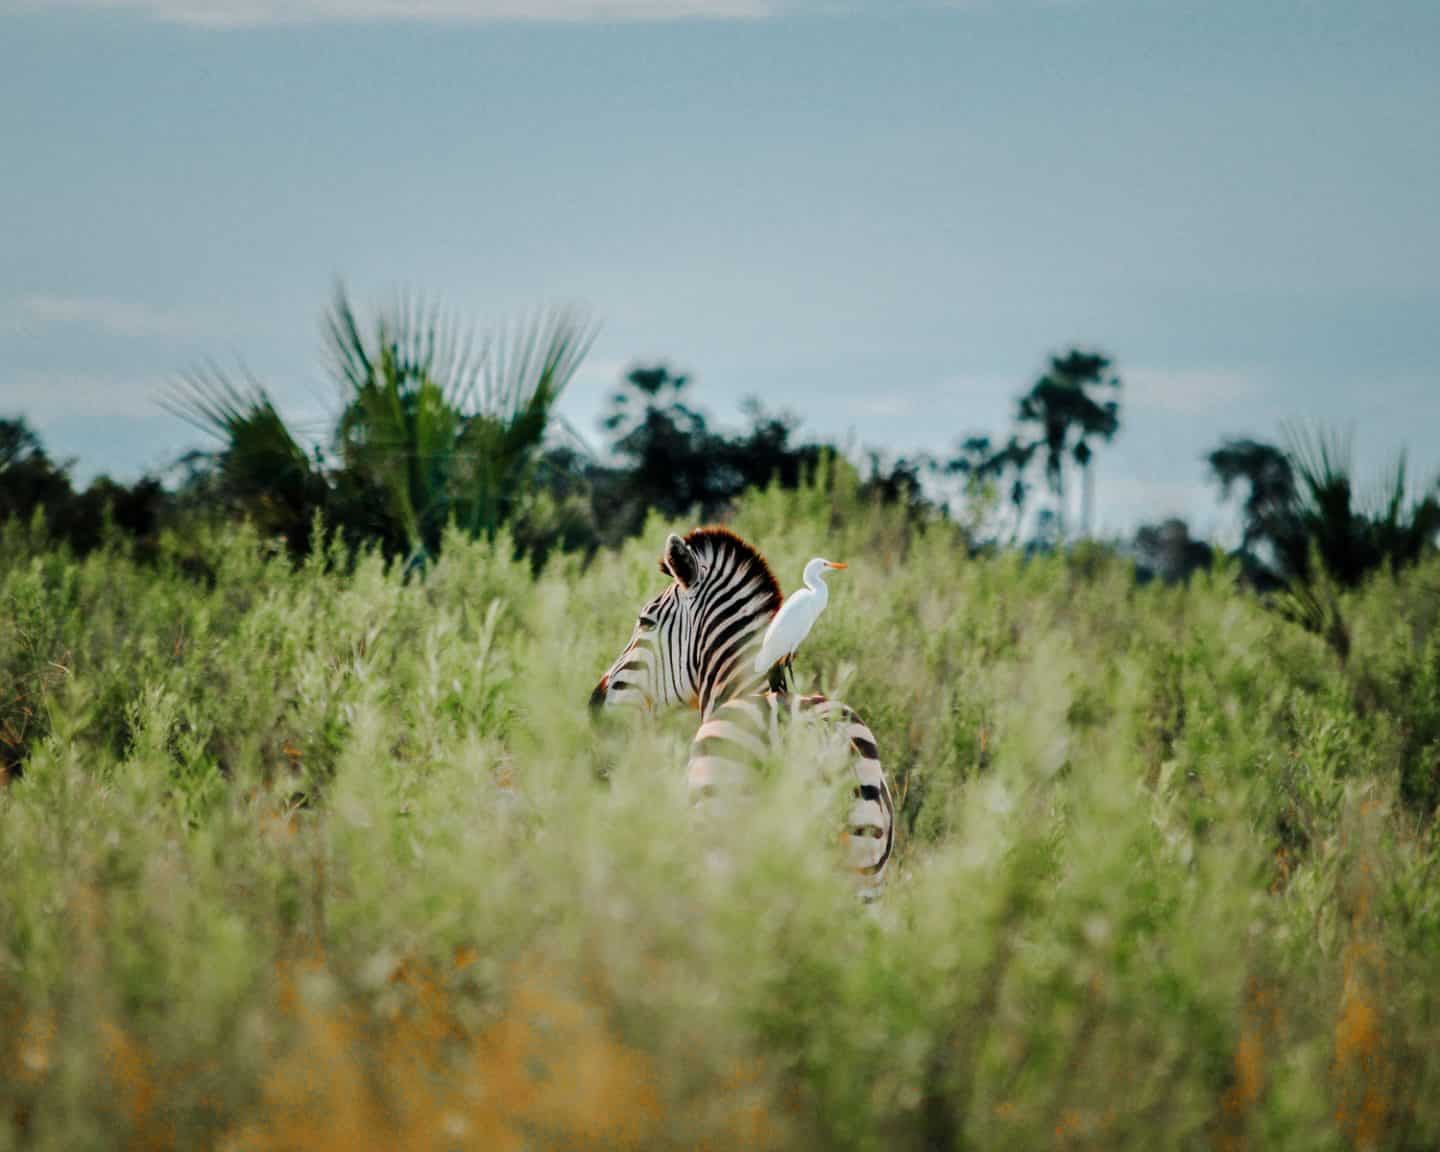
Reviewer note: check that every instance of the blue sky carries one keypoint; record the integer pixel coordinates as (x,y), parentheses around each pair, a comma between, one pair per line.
(882,216)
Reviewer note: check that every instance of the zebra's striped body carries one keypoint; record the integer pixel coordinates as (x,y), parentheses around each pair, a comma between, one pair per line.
(695,644)
(746,728)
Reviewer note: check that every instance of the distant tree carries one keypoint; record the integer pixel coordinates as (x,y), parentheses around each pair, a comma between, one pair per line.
(765,452)
(975,463)
(666,446)
(31,481)
(1300,504)
(1402,530)
(974,458)
(1268,510)
(1016,457)
(1011,460)
(1350,540)
(108,509)
(567,506)
(261,470)
(1167,552)
(1045,538)
(18,443)
(981,462)
(1069,407)
(673,461)
(897,482)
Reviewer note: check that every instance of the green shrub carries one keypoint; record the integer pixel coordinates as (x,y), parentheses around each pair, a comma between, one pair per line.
(329,856)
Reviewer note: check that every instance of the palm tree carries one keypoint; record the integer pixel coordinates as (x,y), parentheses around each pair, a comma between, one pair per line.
(1014,458)
(971,462)
(436,426)
(980,461)
(1301,503)
(447,427)
(1350,540)
(974,459)
(1065,405)
(1266,470)
(1402,534)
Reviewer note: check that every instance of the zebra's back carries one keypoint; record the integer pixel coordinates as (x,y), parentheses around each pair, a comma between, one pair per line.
(748,728)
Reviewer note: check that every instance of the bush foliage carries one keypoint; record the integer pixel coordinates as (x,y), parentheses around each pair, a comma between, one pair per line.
(330,855)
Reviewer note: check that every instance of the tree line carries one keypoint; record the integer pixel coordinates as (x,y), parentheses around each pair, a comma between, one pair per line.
(1302,520)
(437,426)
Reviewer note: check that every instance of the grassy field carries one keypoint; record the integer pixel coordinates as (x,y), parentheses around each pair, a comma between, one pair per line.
(319,858)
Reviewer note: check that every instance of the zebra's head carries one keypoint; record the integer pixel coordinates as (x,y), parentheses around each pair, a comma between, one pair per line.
(693,643)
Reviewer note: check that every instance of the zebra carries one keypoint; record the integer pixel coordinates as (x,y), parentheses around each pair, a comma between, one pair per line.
(694,645)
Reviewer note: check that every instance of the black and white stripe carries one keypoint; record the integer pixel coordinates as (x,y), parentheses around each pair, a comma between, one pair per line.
(747,728)
(695,643)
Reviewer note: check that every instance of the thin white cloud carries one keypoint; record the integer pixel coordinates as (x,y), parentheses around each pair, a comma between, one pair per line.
(95,401)
(883,406)
(97,314)
(257,13)
(45,397)
(977,397)
(1187,392)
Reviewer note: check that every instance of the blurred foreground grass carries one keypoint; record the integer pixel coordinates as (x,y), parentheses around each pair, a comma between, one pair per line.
(322,859)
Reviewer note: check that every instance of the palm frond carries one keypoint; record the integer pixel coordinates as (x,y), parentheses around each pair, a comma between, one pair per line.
(241,416)
(261,466)
(1322,459)
(525,372)
(445,424)
(412,341)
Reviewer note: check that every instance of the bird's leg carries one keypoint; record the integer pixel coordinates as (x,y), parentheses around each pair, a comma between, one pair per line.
(782,675)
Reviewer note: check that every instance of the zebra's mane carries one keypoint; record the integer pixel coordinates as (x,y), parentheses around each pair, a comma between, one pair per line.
(714,541)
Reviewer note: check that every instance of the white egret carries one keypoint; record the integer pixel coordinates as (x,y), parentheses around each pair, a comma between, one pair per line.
(795,618)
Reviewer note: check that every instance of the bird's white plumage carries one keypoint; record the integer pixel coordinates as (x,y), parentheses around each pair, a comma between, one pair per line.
(795,618)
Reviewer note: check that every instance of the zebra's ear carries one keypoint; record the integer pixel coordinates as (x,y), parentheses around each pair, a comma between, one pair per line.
(680,561)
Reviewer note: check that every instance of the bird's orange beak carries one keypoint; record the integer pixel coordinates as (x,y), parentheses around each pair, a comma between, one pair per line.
(835,564)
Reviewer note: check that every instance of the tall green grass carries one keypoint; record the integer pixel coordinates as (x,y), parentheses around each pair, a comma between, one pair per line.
(325,857)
